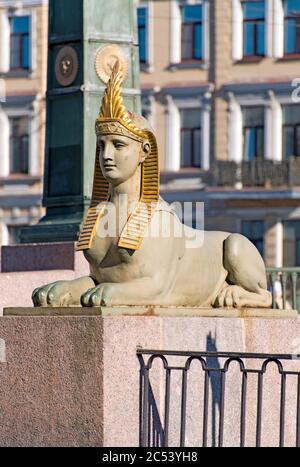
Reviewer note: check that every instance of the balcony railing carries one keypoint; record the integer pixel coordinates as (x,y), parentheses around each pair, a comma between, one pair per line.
(284,284)
(258,173)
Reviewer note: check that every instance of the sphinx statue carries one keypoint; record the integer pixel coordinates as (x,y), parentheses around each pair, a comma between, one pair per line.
(131,266)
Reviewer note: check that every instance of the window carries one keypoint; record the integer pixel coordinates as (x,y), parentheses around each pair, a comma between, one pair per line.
(19,145)
(191,33)
(291,243)
(254,28)
(190,138)
(253,133)
(291,27)
(19,42)
(291,131)
(142,30)
(254,230)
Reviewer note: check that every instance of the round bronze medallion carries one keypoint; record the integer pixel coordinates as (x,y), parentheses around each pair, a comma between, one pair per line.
(106,57)
(66,66)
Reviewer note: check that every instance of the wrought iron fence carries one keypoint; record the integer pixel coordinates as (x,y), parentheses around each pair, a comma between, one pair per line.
(243,399)
(284,283)
(258,172)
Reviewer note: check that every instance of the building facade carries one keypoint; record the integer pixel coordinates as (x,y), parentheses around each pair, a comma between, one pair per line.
(220,84)
(23,74)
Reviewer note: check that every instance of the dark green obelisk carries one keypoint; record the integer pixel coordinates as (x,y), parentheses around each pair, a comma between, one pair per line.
(77,30)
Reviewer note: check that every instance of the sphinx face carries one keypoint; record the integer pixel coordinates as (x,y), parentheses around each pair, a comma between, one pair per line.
(119,157)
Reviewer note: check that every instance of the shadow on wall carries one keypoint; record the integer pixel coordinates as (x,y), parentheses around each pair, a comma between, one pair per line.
(215,380)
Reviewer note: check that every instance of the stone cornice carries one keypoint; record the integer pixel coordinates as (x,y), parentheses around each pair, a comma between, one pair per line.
(22,3)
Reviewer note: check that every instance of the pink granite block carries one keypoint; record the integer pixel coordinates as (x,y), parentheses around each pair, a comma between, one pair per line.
(75,381)
(16,287)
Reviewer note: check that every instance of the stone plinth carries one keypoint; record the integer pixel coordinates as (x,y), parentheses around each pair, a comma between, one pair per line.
(74,380)
(25,267)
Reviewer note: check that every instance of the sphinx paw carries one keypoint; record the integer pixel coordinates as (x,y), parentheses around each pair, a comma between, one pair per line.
(229,297)
(96,296)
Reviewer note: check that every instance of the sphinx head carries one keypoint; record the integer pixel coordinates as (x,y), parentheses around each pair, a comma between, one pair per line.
(121,153)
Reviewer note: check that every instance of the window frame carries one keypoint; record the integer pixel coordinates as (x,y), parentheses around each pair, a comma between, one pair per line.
(256,22)
(285,19)
(192,24)
(295,127)
(184,129)
(11,138)
(256,129)
(145,27)
(21,45)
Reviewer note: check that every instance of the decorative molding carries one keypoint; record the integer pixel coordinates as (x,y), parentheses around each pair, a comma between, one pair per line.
(22,3)
(235,129)
(237,30)
(172,162)
(278,36)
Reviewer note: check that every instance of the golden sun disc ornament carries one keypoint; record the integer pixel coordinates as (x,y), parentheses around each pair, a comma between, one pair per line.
(106,57)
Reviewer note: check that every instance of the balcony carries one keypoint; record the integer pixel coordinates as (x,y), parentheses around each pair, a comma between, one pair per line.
(257,173)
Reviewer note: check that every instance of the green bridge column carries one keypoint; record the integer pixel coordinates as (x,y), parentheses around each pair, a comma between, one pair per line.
(84,26)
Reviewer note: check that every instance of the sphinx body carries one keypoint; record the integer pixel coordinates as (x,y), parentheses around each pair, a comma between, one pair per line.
(133,266)
(225,270)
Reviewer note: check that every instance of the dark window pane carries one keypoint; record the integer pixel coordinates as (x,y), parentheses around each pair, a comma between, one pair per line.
(197,148)
(20,24)
(26,52)
(249,39)
(291,7)
(298,252)
(192,13)
(291,130)
(253,121)
(254,10)
(290,36)
(186,148)
(297,141)
(291,114)
(291,243)
(20,42)
(190,138)
(260,142)
(288,142)
(297,45)
(15,47)
(19,145)
(249,144)
(292,26)
(142,44)
(191,33)
(260,39)
(142,14)
(254,28)
(187,41)
(190,118)
(198,42)
(142,31)
(254,230)
(253,116)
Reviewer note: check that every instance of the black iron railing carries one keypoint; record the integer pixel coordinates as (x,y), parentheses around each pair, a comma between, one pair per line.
(235,404)
(258,173)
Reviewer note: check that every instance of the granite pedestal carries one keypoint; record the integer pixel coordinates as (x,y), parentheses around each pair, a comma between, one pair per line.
(71,377)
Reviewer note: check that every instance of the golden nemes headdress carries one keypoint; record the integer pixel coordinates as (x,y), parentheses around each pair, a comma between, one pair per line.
(115,119)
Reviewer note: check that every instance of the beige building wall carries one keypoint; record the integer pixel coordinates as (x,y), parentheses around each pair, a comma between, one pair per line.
(228,83)
(20,195)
